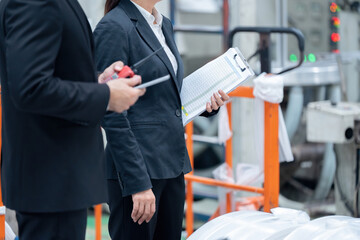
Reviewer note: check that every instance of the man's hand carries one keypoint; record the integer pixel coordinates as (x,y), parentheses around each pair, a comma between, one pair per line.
(122,93)
(113,68)
(143,206)
(217,101)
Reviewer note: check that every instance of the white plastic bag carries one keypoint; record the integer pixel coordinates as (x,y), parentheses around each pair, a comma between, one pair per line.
(224,132)
(248,174)
(9,233)
(224,173)
(270,88)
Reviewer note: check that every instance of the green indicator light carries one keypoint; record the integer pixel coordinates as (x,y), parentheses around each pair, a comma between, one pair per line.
(293,58)
(312,57)
(305,58)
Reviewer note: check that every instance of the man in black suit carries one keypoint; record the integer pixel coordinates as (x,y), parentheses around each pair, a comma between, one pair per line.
(52,155)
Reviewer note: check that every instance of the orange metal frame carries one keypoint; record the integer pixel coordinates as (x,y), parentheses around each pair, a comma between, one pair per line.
(98,213)
(2,217)
(270,191)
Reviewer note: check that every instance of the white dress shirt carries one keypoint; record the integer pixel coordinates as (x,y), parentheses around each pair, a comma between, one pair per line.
(155,22)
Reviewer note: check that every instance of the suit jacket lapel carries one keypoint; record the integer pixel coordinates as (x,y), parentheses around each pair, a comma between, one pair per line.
(148,35)
(169,36)
(83,21)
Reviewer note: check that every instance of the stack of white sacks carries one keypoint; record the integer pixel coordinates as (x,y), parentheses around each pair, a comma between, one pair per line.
(282,224)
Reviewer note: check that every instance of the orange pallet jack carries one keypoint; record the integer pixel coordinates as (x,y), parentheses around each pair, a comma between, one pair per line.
(268,195)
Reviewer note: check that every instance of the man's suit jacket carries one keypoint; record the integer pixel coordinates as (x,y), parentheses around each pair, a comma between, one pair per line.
(52,155)
(147,142)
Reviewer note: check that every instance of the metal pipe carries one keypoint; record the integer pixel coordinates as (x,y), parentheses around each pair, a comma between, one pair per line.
(214,182)
(278,47)
(265,56)
(246,92)
(284,39)
(198,29)
(294,110)
(172,11)
(189,186)
(327,174)
(271,156)
(226,15)
(229,156)
(342,78)
(321,93)
(98,213)
(282,21)
(2,216)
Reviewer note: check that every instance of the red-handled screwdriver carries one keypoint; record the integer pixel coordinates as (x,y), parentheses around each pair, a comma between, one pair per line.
(127,71)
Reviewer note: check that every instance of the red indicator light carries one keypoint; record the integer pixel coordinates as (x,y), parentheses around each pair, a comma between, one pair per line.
(335,37)
(336,51)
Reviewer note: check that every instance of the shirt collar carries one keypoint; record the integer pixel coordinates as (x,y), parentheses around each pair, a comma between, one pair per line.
(150,18)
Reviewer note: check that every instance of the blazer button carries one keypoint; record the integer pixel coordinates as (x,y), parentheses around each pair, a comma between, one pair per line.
(177,113)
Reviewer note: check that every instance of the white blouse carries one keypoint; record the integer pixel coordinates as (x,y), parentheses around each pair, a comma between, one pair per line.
(155,21)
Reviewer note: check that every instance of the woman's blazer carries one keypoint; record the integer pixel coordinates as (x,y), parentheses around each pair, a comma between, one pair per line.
(147,142)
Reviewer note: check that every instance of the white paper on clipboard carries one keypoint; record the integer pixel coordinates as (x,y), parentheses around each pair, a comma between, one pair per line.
(225,72)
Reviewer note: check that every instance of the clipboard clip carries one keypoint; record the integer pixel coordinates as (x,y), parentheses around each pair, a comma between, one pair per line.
(236,56)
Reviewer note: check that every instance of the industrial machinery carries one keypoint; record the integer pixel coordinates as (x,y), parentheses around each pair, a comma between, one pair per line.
(339,123)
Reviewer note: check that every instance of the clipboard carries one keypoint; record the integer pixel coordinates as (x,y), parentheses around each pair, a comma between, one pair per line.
(226,72)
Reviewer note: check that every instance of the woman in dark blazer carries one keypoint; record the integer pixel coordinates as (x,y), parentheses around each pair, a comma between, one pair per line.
(146,152)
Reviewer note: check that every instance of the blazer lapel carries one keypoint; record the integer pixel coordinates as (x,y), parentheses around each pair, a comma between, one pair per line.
(83,21)
(148,35)
(169,36)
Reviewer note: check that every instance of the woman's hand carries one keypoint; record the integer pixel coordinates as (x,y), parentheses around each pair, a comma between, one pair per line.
(217,101)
